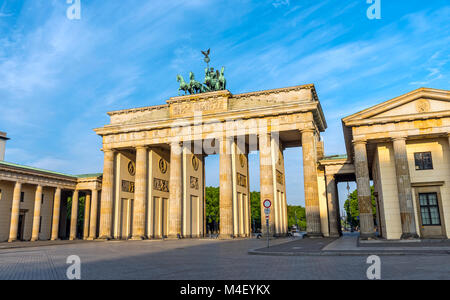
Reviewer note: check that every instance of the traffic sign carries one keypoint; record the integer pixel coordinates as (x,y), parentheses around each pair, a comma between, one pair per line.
(267,203)
(267,211)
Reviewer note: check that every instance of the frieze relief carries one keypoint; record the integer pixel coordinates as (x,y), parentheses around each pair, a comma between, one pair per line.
(194,183)
(161,185)
(241,180)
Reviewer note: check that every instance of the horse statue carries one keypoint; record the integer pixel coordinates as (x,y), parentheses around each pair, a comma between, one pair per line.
(194,86)
(183,85)
(221,81)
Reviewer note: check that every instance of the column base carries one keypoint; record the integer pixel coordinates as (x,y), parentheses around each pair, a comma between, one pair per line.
(90,238)
(409,236)
(34,240)
(12,240)
(313,235)
(72,239)
(177,236)
(56,239)
(367,236)
(226,236)
(138,238)
(105,238)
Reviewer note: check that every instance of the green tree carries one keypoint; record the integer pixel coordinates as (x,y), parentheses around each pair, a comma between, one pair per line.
(255,203)
(352,209)
(296,216)
(212,195)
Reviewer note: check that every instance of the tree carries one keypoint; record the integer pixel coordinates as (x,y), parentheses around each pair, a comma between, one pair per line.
(212,195)
(296,216)
(255,203)
(352,209)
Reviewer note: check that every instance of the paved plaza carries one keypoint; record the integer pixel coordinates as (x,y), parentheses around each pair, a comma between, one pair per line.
(204,260)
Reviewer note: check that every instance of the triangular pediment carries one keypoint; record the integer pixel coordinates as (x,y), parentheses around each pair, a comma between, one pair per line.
(418,103)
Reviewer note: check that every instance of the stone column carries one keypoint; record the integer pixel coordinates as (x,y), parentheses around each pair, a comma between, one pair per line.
(404,189)
(15,212)
(175,190)
(87,210)
(56,214)
(107,196)
(333,208)
(363,187)
(226,189)
(140,194)
(74,216)
(267,189)
(37,213)
(313,227)
(93,216)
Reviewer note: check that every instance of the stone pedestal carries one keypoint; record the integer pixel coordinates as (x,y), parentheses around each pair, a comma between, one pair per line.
(56,214)
(175,191)
(363,186)
(74,216)
(404,189)
(140,194)
(226,189)
(15,212)
(313,227)
(107,195)
(37,214)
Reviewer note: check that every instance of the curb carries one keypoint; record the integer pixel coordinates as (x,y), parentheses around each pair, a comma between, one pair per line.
(353,253)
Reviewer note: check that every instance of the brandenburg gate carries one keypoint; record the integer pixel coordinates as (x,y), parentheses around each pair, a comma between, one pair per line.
(154,157)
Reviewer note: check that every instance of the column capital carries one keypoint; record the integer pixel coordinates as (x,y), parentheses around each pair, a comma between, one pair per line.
(399,138)
(359,142)
(142,147)
(305,130)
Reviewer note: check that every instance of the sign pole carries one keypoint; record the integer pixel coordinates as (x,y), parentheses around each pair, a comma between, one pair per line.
(267,204)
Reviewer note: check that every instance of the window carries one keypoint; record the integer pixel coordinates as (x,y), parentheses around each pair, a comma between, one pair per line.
(22,196)
(40,224)
(429,209)
(42,200)
(423,161)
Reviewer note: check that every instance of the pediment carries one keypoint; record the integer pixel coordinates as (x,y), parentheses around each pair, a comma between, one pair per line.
(416,104)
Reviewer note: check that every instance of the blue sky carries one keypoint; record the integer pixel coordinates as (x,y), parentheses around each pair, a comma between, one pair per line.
(59,77)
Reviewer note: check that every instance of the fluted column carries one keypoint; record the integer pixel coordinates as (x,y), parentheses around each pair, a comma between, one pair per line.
(175,191)
(107,196)
(87,210)
(266,182)
(93,215)
(226,189)
(140,194)
(363,187)
(56,214)
(333,206)
(37,213)
(404,189)
(74,216)
(15,213)
(313,227)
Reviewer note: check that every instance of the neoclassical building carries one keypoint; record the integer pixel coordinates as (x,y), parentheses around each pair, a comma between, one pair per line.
(401,147)
(153,181)
(33,204)
(154,175)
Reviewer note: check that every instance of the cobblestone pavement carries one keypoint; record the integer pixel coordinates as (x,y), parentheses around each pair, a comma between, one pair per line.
(203,259)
